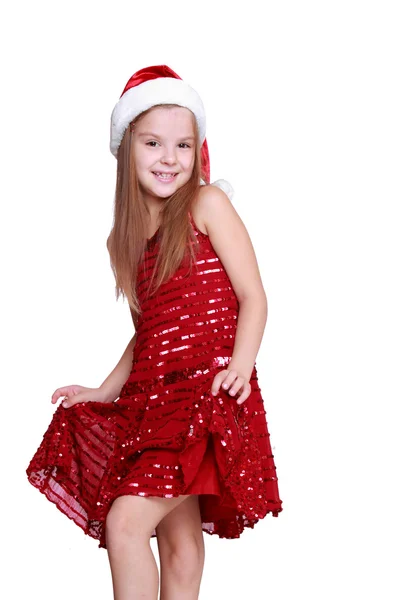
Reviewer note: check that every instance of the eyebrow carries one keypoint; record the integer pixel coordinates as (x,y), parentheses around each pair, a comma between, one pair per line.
(150,134)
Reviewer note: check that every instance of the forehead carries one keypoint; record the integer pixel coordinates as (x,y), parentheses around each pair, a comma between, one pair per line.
(163,119)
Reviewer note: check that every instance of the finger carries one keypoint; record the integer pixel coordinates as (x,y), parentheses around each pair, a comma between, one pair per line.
(71,401)
(217,381)
(229,379)
(58,393)
(244,395)
(237,385)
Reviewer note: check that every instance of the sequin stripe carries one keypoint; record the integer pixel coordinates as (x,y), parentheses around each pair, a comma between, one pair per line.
(209,271)
(136,383)
(165,372)
(203,256)
(140,475)
(98,425)
(145,377)
(182,349)
(165,405)
(206,263)
(259,412)
(130,411)
(157,426)
(182,275)
(191,343)
(170,409)
(187,351)
(162,423)
(55,440)
(97,455)
(187,323)
(191,312)
(181,278)
(192,325)
(166,398)
(165,490)
(161,417)
(76,448)
(156,483)
(206,292)
(146,467)
(189,328)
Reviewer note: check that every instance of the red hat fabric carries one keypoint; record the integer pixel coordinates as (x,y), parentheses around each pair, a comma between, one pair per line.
(157,85)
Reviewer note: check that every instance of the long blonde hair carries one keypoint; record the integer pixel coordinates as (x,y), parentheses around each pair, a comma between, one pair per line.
(127,241)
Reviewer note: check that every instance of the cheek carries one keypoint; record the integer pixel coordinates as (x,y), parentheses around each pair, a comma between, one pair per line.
(188,160)
(144,158)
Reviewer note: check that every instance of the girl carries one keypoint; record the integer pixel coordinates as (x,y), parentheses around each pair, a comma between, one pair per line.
(175,441)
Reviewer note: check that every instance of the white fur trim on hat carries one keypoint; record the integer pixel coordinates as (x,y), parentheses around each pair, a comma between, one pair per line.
(163,90)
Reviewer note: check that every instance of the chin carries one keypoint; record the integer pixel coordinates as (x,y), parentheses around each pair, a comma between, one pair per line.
(157,193)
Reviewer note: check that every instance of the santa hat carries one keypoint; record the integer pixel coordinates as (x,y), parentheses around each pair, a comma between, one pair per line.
(160,85)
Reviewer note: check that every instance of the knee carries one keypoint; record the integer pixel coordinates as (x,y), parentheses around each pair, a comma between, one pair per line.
(122,523)
(186,560)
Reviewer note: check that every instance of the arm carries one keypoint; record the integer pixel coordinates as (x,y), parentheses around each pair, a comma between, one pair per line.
(251,323)
(112,385)
(232,243)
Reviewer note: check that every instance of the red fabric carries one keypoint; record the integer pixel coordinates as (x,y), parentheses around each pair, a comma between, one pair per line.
(205,161)
(149,73)
(166,434)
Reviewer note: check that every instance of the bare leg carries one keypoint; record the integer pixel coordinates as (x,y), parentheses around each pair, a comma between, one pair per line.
(129,525)
(181,548)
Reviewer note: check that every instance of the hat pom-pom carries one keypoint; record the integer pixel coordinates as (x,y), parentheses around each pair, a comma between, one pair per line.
(225,186)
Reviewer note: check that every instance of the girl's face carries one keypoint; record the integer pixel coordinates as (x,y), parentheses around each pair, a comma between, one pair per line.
(164,150)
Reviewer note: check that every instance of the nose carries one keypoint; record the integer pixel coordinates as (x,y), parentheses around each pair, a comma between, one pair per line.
(169,156)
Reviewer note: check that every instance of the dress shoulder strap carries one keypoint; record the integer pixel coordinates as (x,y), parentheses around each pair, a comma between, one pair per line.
(195,228)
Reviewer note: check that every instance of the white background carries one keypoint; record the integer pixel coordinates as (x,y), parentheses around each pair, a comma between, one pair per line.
(302,102)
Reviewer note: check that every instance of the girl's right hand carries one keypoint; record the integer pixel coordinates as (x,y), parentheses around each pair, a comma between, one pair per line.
(77,393)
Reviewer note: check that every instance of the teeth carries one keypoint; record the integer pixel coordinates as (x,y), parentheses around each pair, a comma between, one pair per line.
(165,175)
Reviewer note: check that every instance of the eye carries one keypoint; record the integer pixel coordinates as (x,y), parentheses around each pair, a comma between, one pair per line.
(152,142)
(184,144)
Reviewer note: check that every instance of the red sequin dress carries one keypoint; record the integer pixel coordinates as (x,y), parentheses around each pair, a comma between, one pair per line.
(166,434)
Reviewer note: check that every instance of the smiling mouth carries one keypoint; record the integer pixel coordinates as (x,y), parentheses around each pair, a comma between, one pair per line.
(164,176)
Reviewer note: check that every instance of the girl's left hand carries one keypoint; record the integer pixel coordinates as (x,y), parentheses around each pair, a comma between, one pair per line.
(233,380)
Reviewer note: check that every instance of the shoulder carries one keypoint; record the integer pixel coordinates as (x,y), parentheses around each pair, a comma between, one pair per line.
(211,206)
(230,240)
